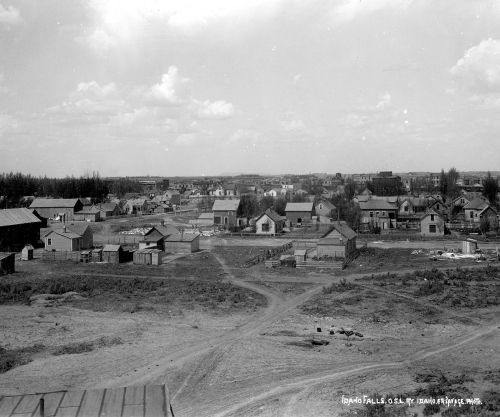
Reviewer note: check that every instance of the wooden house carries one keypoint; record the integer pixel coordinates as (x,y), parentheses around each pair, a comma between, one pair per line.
(88,214)
(7,263)
(62,240)
(85,231)
(377,214)
(18,227)
(477,209)
(339,242)
(432,223)
(299,213)
(324,208)
(107,210)
(226,213)
(269,223)
(182,243)
(62,209)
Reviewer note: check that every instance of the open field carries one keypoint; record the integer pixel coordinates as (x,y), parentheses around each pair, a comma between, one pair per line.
(236,341)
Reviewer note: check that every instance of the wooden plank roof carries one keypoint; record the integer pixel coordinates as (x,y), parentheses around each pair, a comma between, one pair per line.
(136,401)
(54,203)
(17,216)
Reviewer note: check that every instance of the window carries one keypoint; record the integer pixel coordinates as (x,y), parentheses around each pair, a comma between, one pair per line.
(432,228)
(471,214)
(217,220)
(432,217)
(371,213)
(383,213)
(225,220)
(265,227)
(406,208)
(49,241)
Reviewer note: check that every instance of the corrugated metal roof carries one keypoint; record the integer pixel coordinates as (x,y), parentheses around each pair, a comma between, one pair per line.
(54,202)
(299,206)
(226,205)
(16,216)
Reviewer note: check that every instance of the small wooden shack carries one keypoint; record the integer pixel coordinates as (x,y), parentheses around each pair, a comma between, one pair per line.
(96,255)
(139,401)
(112,254)
(7,263)
(469,246)
(148,257)
(27,253)
(300,255)
(182,243)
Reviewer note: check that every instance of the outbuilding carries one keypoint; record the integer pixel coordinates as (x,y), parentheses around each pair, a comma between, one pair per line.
(112,254)
(27,253)
(148,257)
(18,226)
(299,213)
(183,243)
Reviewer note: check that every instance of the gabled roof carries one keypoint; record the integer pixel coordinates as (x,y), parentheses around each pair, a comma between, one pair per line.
(167,230)
(476,204)
(208,216)
(275,217)
(107,206)
(429,212)
(54,202)
(68,235)
(88,210)
(343,228)
(376,205)
(78,228)
(299,206)
(327,203)
(16,216)
(226,205)
(488,207)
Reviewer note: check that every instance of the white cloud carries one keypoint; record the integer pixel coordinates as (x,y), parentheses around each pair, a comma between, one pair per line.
(207,109)
(92,87)
(479,68)
(9,16)
(185,139)
(98,40)
(346,10)
(245,137)
(171,90)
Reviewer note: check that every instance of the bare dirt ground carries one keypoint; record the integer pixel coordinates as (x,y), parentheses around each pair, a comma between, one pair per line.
(260,361)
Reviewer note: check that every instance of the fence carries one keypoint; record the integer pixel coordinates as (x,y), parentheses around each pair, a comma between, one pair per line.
(270,253)
(320,264)
(61,256)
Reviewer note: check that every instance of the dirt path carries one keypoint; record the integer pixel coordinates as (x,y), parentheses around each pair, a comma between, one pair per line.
(329,376)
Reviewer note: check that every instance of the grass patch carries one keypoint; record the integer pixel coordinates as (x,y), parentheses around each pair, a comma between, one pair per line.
(11,358)
(82,347)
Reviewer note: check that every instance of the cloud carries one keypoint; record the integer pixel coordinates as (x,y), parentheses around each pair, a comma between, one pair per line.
(99,40)
(92,98)
(9,16)
(171,90)
(479,68)
(245,137)
(207,109)
(347,10)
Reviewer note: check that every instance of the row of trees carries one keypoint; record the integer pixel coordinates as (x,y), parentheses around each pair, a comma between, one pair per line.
(15,186)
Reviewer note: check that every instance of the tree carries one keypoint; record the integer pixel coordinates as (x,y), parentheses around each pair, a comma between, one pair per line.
(452,177)
(248,206)
(266,202)
(490,188)
(349,189)
(443,184)
(280,205)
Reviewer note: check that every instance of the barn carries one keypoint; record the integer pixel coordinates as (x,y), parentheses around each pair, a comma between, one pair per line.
(62,209)
(7,263)
(339,242)
(183,243)
(299,213)
(88,214)
(18,226)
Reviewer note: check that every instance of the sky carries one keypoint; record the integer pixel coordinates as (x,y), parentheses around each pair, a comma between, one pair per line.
(207,87)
